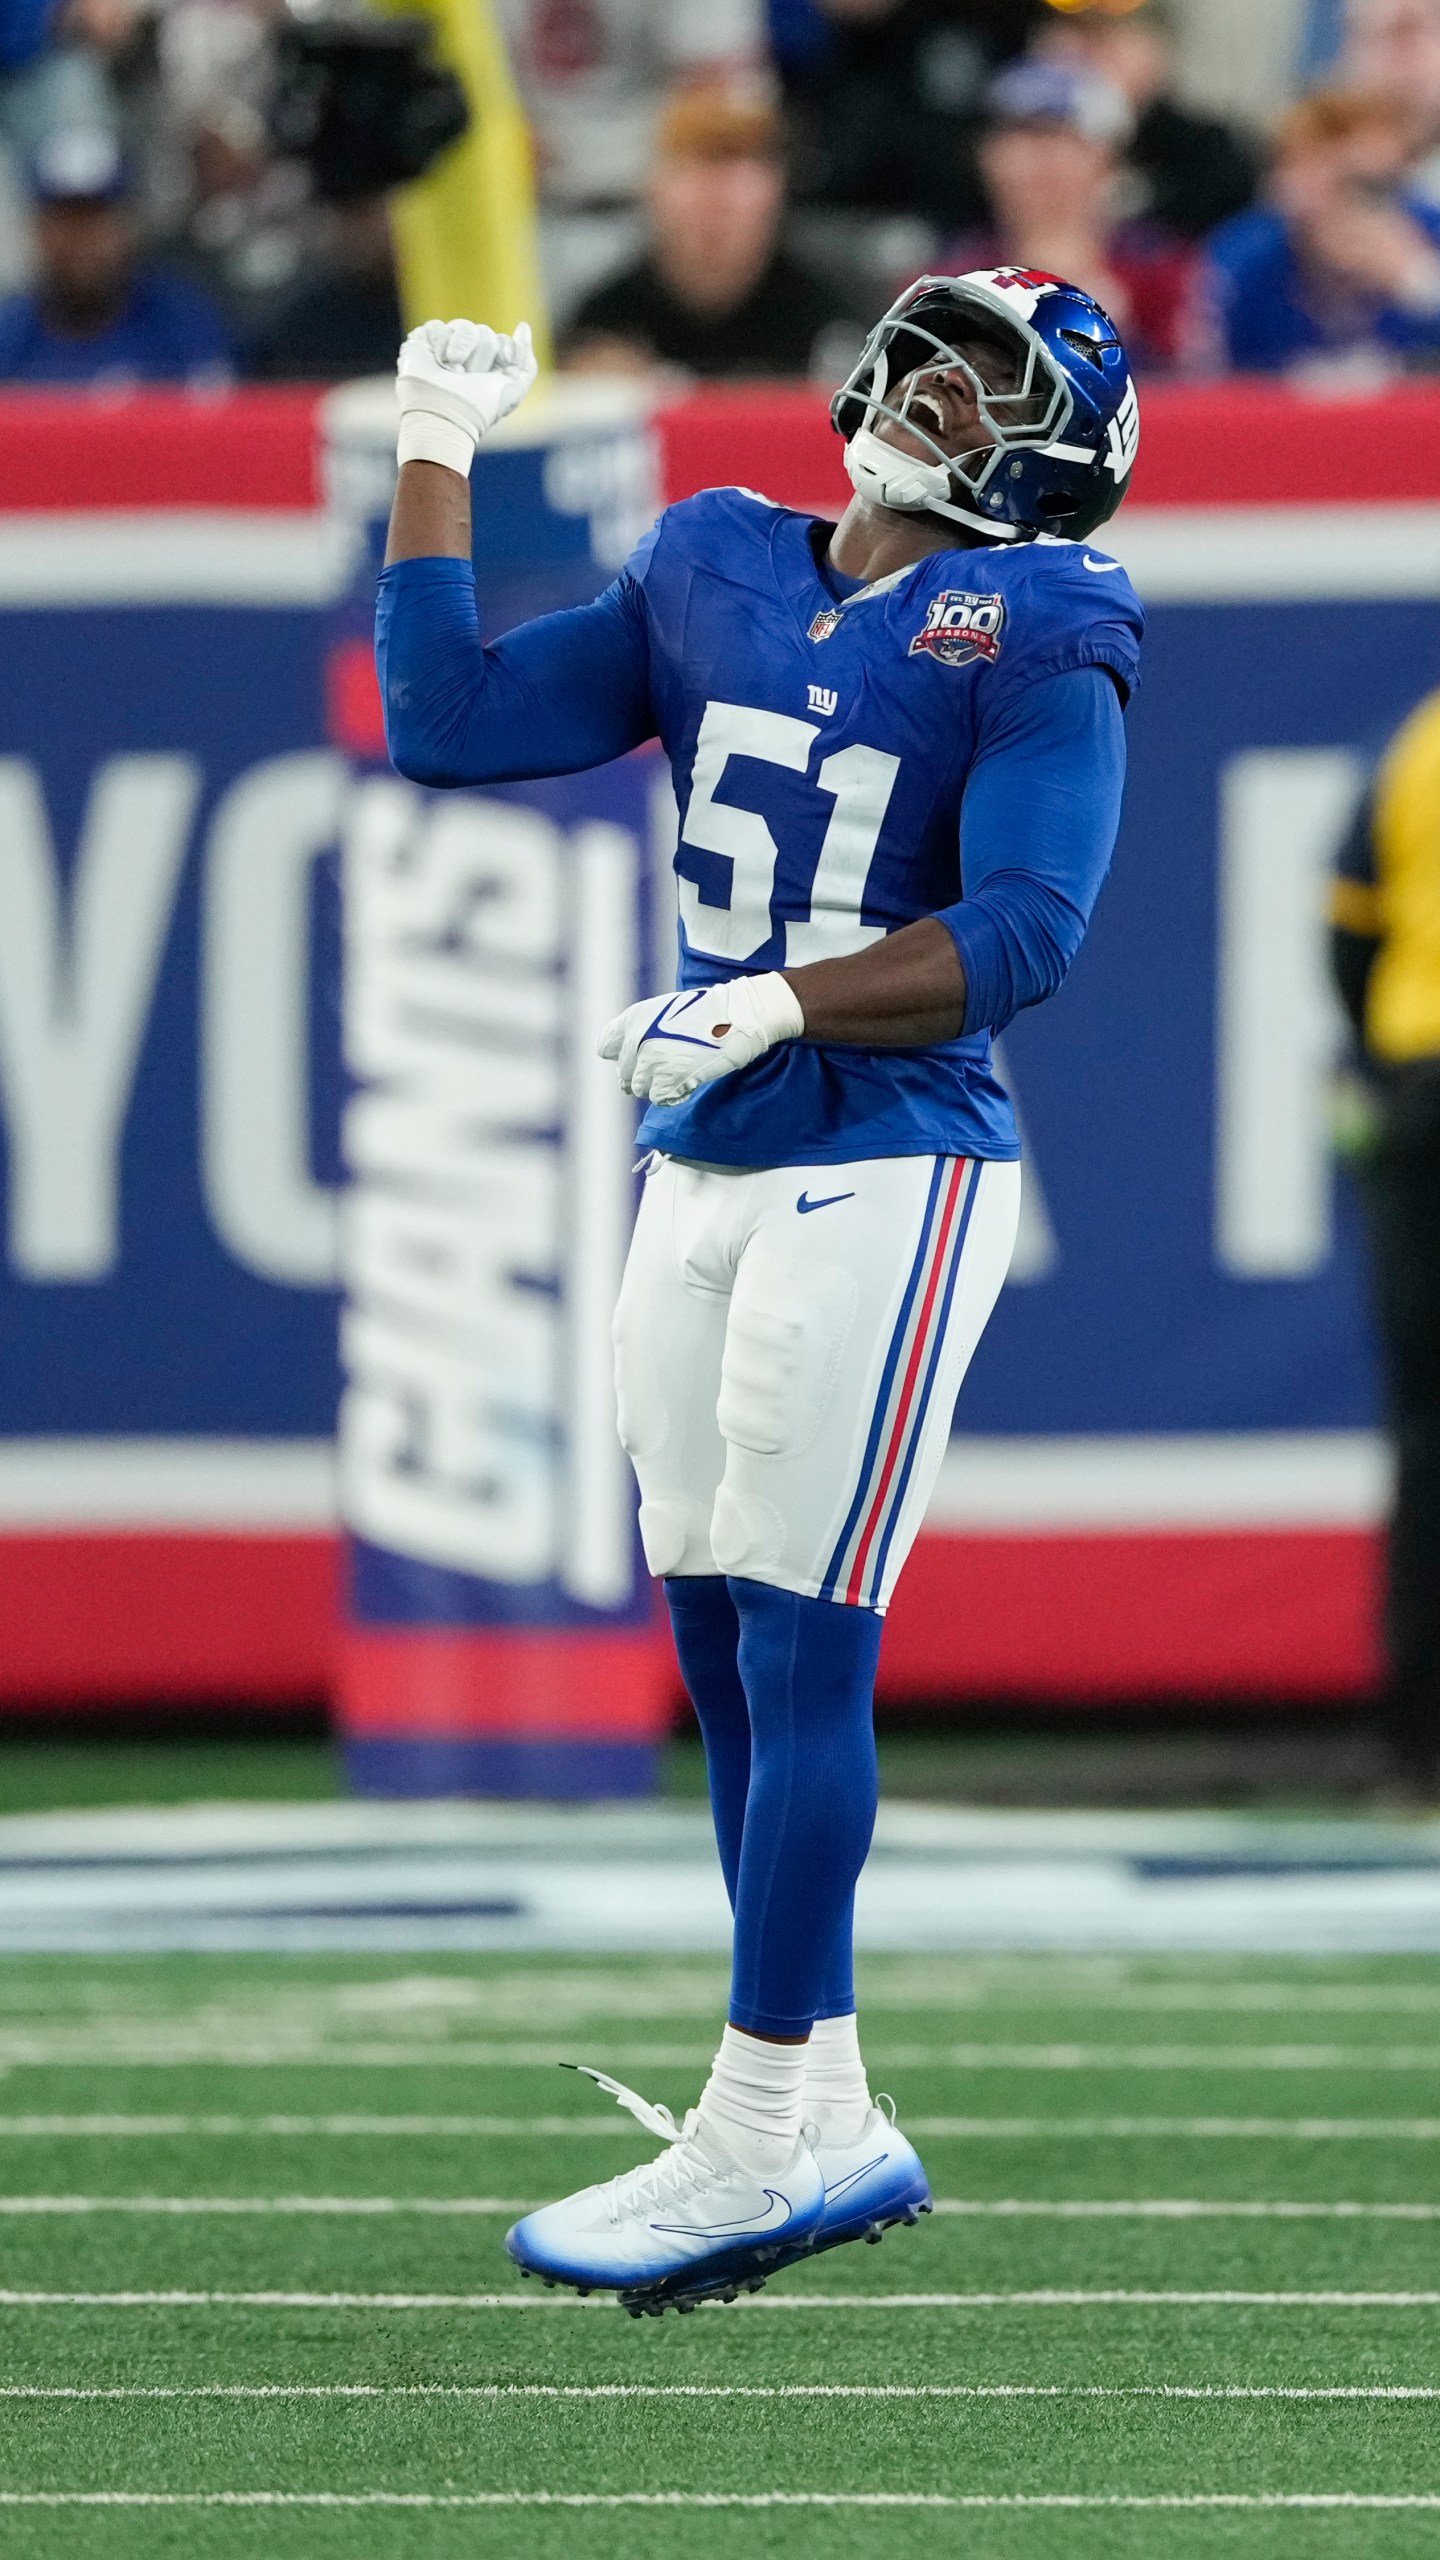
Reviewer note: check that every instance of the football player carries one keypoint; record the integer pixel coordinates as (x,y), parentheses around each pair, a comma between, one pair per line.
(898,753)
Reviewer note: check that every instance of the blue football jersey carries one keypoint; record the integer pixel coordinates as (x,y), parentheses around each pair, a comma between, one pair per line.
(822,737)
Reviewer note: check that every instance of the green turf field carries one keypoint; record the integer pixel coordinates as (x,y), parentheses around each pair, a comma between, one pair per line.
(1313,1770)
(349,2136)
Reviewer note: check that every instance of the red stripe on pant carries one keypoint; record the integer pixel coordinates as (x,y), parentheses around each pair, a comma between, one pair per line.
(907,1391)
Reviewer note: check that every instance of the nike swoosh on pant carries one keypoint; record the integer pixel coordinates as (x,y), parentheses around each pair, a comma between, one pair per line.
(723,2230)
(805,1204)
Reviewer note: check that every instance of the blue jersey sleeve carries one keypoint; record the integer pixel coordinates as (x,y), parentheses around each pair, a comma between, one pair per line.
(554,696)
(1037,828)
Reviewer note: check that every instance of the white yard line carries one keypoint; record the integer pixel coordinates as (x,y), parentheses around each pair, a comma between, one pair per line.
(1294,2000)
(716,2391)
(159,2052)
(43,2128)
(343,2205)
(481,2005)
(1185,2209)
(39,2128)
(997,2208)
(32,2052)
(1162,2057)
(1185,2128)
(695,1986)
(883,2498)
(1049,2299)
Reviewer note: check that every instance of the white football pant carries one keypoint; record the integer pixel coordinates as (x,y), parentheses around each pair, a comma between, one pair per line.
(789,1345)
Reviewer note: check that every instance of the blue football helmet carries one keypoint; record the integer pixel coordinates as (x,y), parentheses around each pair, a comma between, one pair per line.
(1058,411)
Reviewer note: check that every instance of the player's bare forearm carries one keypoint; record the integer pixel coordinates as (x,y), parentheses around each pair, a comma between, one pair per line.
(907,992)
(430,519)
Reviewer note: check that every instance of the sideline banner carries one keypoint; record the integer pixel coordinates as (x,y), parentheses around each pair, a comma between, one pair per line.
(1167,1474)
(499,1632)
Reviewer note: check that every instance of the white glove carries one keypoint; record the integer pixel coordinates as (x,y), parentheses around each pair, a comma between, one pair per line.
(456,381)
(668,1045)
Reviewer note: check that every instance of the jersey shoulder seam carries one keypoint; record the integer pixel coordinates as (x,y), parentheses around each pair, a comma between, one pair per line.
(1092,649)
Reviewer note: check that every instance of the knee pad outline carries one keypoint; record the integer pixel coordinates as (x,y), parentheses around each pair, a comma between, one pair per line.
(745,1530)
(665,1532)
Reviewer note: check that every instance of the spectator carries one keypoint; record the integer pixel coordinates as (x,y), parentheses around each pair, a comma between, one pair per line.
(1392,52)
(344,319)
(24,32)
(95,315)
(46,86)
(1187,171)
(1052,161)
(1342,266)
(126,43)
(1386,955)
(887,117)
(715,291)
(595,78)
(237,215)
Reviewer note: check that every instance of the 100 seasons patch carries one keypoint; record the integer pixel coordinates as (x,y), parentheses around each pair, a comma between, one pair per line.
(959,627)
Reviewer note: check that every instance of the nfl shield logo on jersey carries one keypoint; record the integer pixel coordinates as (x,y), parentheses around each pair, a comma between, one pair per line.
(825,622)
(959,627)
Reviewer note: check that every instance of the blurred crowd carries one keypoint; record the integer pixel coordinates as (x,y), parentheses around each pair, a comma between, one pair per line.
(190,192)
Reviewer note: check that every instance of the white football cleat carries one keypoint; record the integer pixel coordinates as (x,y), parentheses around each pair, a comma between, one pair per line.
(869,2185)
(690,2227)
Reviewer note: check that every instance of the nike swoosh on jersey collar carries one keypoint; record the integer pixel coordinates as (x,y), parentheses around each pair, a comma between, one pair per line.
(1102,568)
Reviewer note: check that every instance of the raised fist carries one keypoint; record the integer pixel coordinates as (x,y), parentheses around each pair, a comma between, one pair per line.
(456,380)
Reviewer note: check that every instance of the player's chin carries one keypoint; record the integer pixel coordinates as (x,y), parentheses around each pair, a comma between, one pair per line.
(903,440)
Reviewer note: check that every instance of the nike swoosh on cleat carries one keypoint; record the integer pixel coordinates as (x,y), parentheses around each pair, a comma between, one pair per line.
(805,1204)
(841,2184)
(718,2230)
(1102,568)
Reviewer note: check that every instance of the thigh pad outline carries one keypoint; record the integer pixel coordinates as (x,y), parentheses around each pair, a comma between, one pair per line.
(785,1338)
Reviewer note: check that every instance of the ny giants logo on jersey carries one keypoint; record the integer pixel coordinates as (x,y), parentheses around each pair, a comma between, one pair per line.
(959,627)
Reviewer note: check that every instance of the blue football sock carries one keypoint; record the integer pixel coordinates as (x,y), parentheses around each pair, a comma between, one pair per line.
(707,1642)
(809,1672)
(706,1628)
(837,1988)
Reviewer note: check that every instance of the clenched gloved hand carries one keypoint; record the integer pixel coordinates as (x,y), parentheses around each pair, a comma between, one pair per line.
(668,1045)
(456,380)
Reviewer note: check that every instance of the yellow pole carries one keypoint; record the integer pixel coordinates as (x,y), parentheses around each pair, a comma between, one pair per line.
(465,236)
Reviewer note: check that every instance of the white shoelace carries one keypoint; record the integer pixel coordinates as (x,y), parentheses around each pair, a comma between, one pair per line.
(680,2172)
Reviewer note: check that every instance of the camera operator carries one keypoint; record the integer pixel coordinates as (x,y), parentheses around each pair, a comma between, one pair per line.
(359,105)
